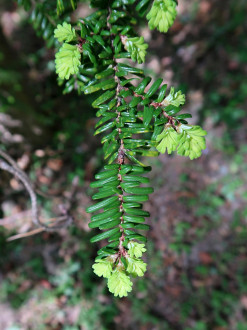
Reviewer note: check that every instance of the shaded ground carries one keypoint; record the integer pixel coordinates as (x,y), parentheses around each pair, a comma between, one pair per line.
(197,245)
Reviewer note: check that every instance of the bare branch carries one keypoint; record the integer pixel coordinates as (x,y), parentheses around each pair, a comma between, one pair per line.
(14,169)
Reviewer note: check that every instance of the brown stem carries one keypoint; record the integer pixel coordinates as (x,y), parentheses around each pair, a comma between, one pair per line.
(171,120)
(121,150)
(12,167)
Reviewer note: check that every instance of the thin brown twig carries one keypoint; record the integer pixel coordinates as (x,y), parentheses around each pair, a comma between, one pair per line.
(27,234)
(34,231)
(14,169)
(121,150)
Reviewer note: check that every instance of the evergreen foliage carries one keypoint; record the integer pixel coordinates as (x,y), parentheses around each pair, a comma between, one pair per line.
(119,283)
(136,116)
(65,33)
(174,98)
(162,15)
(137,48)
(67,61)
(102,268)
(188,140)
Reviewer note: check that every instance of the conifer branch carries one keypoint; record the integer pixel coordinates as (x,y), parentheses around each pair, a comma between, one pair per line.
(87,60)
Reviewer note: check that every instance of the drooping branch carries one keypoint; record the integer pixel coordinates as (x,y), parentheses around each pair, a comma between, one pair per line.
(121,151)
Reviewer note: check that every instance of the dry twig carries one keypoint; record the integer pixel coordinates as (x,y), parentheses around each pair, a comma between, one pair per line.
(61,222)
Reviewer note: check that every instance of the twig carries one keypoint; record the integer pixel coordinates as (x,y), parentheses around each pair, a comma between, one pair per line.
(13,168)
(29,233)
(121,150)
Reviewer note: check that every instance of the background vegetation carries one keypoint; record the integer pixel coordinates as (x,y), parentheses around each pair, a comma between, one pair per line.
(197,252)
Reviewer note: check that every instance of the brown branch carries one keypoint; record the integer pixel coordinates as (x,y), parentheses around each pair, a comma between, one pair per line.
(29,233)
(35,231)
(121,150)
(13,168)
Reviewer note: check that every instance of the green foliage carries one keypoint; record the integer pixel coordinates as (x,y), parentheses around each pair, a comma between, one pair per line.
(192,141)
(65,33)
(219,286)
(188,140)
(63,5)
(136,249)
(132,116)
(67,61)
(60,7)
(102,268)
(168,139)
(118,271)
(136,267)
(42,24)
(68,58)
(25,3)
(173,98)
(137,48)
(47,14)
(119,283)
(162,15)
(125,110)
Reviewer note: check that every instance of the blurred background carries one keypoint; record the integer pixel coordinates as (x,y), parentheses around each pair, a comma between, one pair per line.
(197,251)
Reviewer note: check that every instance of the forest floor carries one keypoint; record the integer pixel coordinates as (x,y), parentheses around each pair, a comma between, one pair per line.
(197,253)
